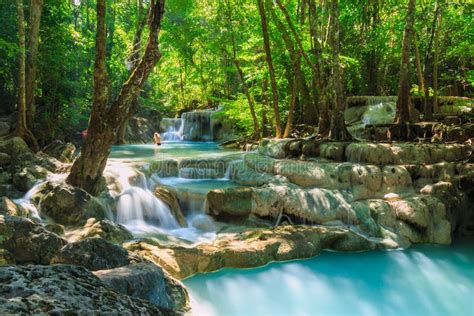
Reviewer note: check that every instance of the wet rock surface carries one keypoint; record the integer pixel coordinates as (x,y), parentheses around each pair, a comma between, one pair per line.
(149,282)
(94,254)
(65,289)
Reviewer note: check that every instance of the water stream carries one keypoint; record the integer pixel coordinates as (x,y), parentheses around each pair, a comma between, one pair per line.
(423,280)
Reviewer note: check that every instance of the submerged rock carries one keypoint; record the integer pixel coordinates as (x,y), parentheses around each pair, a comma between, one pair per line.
(65,289)
(27,241)
(149,282)
(252,248)
(94,254)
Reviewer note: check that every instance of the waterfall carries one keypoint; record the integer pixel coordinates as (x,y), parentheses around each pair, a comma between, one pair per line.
(192,126)
(138,208)
(379,110)
(171,129)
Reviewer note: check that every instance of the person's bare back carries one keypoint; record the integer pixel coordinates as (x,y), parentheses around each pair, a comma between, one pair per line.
(157,139)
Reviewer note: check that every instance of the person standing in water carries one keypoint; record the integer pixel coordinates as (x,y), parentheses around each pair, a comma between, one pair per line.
(157,139)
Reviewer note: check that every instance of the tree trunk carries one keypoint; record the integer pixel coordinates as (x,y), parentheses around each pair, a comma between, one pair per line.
(250,100)
(265,106)
(419,70)
(271,70)
(22,129)
(428,107)
(338,130)
(436,61)
(318,87)
(403,102)
(87,170)
(289,121)
(133,59)
(32,62)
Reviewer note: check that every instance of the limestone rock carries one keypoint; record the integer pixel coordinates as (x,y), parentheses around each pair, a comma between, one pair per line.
(6,258)
(149,282)
(275,148)
(64,290)
(64,152)
(8,207)
(231,202)
(68,205)
(162,168)
(15,147)
(5,159)
(251,248)
(28,242)
(4,128)
(169,196)
(106,229)
(94,254)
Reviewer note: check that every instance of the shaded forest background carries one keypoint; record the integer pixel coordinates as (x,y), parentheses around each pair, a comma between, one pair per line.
(213,54)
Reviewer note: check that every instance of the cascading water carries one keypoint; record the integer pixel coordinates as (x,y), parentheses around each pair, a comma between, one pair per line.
(380,110)
(192,126)
(138,208)
(171,129)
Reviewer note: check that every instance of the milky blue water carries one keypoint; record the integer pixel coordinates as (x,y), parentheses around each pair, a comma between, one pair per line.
(423,280)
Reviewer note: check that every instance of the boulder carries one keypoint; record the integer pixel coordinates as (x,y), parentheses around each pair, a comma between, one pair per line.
(6,258)
(65,290)
(231,202)
(94,254)
(8,207)
(108,230)
(70,206)
(27,241)
(4,128)
(28,177)
(5,159)
(149,282)
(275,148)
(333,151)
(15,147)
(64,152)
(169,196)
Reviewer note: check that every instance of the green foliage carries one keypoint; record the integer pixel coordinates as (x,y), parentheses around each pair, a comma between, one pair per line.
(198,40)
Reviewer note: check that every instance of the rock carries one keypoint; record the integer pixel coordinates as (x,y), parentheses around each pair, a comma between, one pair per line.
(28,242)
(108,230)
(6,258)
(231,202)
(396,179)
(64,152)
(55,228)
(15,147)
(169,196)
(65,290)
(4,128)
(275,148)
(5,159)
(28,177)
(94,254)
(70,206)
(251,248)
(333,151)
(149,282)
(8,207)
(162,168)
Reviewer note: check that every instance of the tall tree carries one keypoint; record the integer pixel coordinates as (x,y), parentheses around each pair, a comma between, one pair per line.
(22,129)
(87,170)
(36,7)
(403,114)
(236,62)
(338,129)
(436,59)
(271,69)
